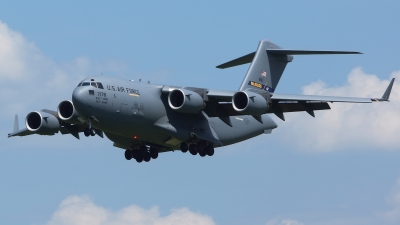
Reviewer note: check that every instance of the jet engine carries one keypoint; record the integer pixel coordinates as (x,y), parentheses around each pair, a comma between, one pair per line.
(66,112)
(249,103)
(185,101)
(42,123)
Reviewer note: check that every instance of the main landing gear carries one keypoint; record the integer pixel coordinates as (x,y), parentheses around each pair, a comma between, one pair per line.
(141,154)
(201,147)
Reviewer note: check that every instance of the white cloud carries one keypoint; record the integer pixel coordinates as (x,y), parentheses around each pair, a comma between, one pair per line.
(78,210)
(348,125)
(13,48)
(32,81)
(284,222)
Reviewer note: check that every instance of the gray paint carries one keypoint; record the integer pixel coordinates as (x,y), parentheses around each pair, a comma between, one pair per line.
(136,113)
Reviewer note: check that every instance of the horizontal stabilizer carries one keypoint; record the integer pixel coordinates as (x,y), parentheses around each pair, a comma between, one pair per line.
(249,57)
(308,52)
(239,61)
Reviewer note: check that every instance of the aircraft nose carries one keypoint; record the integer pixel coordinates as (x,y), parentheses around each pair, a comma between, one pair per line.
(79,99)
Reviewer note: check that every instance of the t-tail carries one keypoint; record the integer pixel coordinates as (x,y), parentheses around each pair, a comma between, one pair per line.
(268,64)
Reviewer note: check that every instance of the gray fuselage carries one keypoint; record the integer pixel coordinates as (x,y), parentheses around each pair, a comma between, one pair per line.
(132,113)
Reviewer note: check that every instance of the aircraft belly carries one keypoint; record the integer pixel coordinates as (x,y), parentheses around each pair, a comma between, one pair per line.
(183,126)
(243,128)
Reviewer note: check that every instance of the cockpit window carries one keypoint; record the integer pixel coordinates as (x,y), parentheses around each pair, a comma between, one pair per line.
(94,84)
(99,85)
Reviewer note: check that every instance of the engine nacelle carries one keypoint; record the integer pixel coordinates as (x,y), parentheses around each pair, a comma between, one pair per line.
(185,101)
(250,103)
(66,112)
(42,123)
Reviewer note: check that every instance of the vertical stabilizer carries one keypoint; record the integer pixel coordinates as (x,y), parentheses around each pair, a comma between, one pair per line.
(16,126)
(266,68)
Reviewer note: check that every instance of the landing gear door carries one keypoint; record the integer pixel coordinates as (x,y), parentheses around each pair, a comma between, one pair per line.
(135,108)
(138,109)
(124,109)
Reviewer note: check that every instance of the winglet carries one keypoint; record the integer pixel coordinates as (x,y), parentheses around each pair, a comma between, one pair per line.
(17,132)
(385,96)
(16,126)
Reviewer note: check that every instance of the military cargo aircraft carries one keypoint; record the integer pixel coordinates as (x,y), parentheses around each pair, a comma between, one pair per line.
(145,119)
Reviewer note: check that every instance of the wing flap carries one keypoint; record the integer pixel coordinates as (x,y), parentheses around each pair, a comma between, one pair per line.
(222,110)
(220,96)
(298,107)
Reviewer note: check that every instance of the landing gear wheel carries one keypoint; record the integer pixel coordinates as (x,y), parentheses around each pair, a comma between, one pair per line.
(146,157)
(135,153)
(201,150)
(142,149)
(210,151)
(139,158)
(86,132)
(92,132)
(153,153)
(128,154)
(184,147)
(193,149)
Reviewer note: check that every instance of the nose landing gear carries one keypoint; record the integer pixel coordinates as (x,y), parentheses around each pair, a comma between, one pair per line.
(89,131)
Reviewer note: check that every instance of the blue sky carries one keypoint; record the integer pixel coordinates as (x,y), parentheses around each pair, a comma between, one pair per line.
(339,168)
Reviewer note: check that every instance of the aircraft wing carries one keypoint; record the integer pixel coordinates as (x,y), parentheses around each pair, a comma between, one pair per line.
(220,102)
(226,96)
(64,128)
(318,98)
